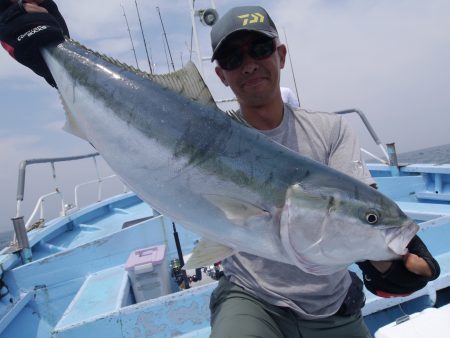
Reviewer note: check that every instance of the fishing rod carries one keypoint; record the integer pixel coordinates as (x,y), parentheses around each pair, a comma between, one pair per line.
(190,49)
(165,53)
(131,39)
(179,273)
(292,67)
(165,37)
(143,38)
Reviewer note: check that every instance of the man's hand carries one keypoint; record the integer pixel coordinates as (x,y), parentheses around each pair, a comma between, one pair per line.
(413,263)
(402,277)
(417,265)
(33,7)
(27,26)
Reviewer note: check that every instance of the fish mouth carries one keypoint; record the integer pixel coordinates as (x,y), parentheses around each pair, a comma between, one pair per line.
(398,238)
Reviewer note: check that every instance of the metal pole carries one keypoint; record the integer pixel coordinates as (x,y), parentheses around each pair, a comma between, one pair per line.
(143,38)
(194,30)
(368,126)
(165,37)
(131,39)
(393,162)
(22,239)
(23,165)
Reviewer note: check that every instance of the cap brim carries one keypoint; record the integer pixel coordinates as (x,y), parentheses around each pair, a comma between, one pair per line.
(221,42)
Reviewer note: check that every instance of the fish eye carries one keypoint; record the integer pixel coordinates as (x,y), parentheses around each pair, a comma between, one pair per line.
(371,217)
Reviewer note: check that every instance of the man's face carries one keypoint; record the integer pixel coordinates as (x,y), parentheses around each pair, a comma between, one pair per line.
(247,66)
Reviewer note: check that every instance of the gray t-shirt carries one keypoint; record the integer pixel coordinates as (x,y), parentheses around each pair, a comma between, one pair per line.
(326,138)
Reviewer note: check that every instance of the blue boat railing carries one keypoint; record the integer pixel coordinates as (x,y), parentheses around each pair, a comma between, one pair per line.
(372,133)
(40,207)
(66,207)
(98,181)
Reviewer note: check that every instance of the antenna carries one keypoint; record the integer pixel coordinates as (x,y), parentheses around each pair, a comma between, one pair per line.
(143,37)
(292,67)
(165,37)
(131,39)
(208,17)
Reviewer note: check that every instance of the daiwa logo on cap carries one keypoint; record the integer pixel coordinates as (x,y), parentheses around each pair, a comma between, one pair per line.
(255,18)
(242,18)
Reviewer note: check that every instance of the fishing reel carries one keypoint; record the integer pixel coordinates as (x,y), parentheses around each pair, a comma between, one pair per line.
(214,271)
(181,277)
(179,274)
(185,280)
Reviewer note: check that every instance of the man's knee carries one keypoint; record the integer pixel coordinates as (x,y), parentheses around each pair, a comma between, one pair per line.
(242,318)
(234,313)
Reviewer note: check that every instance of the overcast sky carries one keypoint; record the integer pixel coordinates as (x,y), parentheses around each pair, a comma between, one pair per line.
(388,58)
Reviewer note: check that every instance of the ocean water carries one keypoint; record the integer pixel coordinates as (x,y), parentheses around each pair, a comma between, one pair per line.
(436,155)
(6,238)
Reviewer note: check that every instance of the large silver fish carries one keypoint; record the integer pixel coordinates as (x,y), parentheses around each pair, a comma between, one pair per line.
(165,137)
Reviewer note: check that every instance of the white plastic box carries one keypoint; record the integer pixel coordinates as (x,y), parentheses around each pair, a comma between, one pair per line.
(149,272)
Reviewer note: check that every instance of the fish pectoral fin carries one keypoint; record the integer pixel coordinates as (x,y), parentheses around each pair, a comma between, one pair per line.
(240,212)
(206,253)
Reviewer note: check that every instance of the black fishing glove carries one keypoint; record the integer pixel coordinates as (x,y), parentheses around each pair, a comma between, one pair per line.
(398,281)
(22,34)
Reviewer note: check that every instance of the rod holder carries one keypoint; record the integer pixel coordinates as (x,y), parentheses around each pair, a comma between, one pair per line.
(23,244)
(393,161)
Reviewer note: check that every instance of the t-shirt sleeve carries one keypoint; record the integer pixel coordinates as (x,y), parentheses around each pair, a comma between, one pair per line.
(345,153)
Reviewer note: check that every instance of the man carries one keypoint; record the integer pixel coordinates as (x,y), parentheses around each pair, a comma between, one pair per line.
(262,298)
(258,297)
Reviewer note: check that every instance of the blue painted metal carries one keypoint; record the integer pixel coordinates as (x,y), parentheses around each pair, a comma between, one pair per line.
(23,244)
(16,307)
(393,163)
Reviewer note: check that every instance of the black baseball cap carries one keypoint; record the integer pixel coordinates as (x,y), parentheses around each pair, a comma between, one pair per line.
(238,19)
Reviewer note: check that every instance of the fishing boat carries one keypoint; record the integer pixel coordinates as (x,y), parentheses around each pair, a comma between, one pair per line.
(114,268)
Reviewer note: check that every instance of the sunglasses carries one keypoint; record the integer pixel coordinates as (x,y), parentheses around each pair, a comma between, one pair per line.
(259,49)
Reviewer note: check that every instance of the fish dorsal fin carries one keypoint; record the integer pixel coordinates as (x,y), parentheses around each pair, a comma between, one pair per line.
(206,253)
(237,117)
(187,82)
(240,212)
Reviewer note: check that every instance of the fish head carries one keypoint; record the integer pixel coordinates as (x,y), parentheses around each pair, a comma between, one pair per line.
(324,231)
(387,220)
